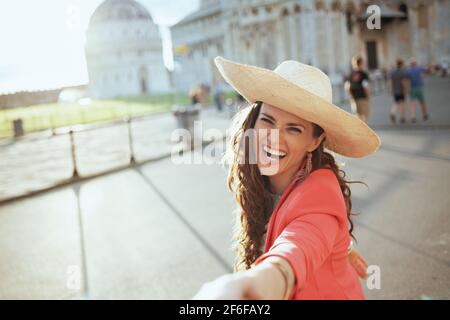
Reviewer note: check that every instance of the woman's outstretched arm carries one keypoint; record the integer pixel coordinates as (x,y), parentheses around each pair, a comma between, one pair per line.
(302,247)
(267,281)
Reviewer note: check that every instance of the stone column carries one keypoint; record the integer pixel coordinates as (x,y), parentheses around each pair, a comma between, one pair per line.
(344,43)
(272,55)
(258,46)
(329,45)
(305,43)
(311,36)
(292,35)
(238,44)
(279,41)
(299,39)
(247,49)
(228,44)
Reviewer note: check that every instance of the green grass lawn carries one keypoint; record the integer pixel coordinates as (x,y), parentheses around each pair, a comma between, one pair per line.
(55,115)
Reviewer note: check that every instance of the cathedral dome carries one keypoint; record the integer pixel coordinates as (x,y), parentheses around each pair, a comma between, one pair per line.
(119,10)
(119,24)
(124,51)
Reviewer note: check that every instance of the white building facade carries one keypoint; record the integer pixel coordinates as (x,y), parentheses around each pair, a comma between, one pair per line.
(324,33)
(124,52)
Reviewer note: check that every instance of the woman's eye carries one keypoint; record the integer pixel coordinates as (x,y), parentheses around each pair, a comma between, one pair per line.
(295,130)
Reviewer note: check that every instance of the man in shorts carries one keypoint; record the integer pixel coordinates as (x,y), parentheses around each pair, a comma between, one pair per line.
(398,88)
(357,87)
(415,75)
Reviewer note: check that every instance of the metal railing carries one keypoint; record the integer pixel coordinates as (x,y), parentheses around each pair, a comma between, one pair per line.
(26,153)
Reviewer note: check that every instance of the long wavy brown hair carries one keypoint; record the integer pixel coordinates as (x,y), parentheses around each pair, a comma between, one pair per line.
(252,192)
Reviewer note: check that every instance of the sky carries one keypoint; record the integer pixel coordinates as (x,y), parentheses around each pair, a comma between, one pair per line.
(42,41)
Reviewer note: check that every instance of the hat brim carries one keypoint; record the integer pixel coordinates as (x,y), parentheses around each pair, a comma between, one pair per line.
(345,133)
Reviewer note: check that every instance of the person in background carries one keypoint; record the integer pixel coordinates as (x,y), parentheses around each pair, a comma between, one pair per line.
(415,75)
(398,88)
(218,95)
(358,88)
(194,95)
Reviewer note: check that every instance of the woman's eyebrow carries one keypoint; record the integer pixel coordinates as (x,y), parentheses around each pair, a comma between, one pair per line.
(295,125)
(269,116)
(288,124)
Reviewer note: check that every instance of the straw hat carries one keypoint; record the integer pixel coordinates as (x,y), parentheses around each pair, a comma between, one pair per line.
(304,91)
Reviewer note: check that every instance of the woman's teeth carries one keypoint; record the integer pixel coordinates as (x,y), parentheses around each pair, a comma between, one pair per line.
(275,154)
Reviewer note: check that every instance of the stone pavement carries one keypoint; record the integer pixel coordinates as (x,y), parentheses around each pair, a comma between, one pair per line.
(160,230)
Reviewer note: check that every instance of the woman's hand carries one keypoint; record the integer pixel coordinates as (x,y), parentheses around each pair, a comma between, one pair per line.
(359,263)
(264,280)
(235,286)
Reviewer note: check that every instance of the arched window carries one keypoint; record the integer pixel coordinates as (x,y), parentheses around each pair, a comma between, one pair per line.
(336,6)
(404,9)
(320,5)
(349,21)
(349,16)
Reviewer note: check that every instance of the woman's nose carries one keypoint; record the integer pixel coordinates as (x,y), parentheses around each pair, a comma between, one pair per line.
(275,137)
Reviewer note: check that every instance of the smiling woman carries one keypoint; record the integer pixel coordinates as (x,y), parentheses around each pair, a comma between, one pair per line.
(296,247)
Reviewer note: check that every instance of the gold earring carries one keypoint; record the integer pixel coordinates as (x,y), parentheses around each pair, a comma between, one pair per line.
(308,166)
(306,170)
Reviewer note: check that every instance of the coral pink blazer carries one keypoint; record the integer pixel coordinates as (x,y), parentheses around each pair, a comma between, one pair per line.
(309,228)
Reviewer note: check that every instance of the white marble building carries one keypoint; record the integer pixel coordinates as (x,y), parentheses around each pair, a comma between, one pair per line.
(324,33)
(124,51)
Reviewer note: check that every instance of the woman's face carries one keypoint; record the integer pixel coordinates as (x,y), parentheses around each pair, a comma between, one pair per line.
(283,140)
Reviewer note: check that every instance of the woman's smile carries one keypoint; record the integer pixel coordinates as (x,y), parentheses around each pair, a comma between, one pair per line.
(274,153)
